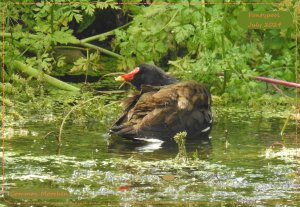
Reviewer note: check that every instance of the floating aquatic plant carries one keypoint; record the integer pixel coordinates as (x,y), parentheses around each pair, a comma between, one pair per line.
(286,154)
(180,139)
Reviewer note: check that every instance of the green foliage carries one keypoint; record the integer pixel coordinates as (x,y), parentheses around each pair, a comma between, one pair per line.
(90,109)
(200,41)
(32,31)
(84,64)
(196,41)
(180,139)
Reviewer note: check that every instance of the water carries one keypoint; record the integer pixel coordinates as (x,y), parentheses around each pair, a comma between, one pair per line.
(236,167)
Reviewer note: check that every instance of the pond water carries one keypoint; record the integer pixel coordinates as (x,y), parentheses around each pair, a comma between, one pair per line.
(238,166)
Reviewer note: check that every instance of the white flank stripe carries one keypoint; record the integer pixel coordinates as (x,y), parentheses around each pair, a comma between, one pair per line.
(152,140)
(206,129)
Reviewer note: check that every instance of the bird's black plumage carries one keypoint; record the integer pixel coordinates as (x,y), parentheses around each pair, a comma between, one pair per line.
(164,106)
(151,75)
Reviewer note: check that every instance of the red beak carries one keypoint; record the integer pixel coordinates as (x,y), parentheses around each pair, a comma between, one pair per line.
(128,76)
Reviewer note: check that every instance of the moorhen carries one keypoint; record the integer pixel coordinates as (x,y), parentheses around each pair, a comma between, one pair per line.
(163,106)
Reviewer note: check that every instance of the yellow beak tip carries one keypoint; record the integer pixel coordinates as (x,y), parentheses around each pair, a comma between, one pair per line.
(120,79)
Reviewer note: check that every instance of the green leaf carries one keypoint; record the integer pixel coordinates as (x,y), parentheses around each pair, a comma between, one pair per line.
(85,23)
(88,8)
(141,46)
(63,37)
(161,47)
(78,17)
(182,33)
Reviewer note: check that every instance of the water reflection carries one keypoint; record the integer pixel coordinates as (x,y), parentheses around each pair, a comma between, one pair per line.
(92,165)
(167,149)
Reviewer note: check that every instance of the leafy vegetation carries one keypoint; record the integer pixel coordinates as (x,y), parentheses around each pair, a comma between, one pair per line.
(198,41)
(180,139)
(191,40)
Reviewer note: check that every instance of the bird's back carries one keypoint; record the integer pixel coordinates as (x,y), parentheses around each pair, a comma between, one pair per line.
(161,112)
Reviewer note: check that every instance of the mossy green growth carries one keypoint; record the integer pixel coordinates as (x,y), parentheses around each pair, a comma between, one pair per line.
(180,139)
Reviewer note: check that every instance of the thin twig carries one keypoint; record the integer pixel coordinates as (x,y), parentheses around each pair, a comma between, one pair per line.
(70,47)
(172,18)
(48,134)
(112,74)
(285,124)
(122,85)
(103,35)
(279,90)
(68,114)
(111,92)
(91,46)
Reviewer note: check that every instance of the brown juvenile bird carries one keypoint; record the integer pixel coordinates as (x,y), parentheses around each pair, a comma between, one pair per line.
(163,106)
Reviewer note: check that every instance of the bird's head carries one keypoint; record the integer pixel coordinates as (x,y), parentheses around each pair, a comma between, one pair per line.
(146,74)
